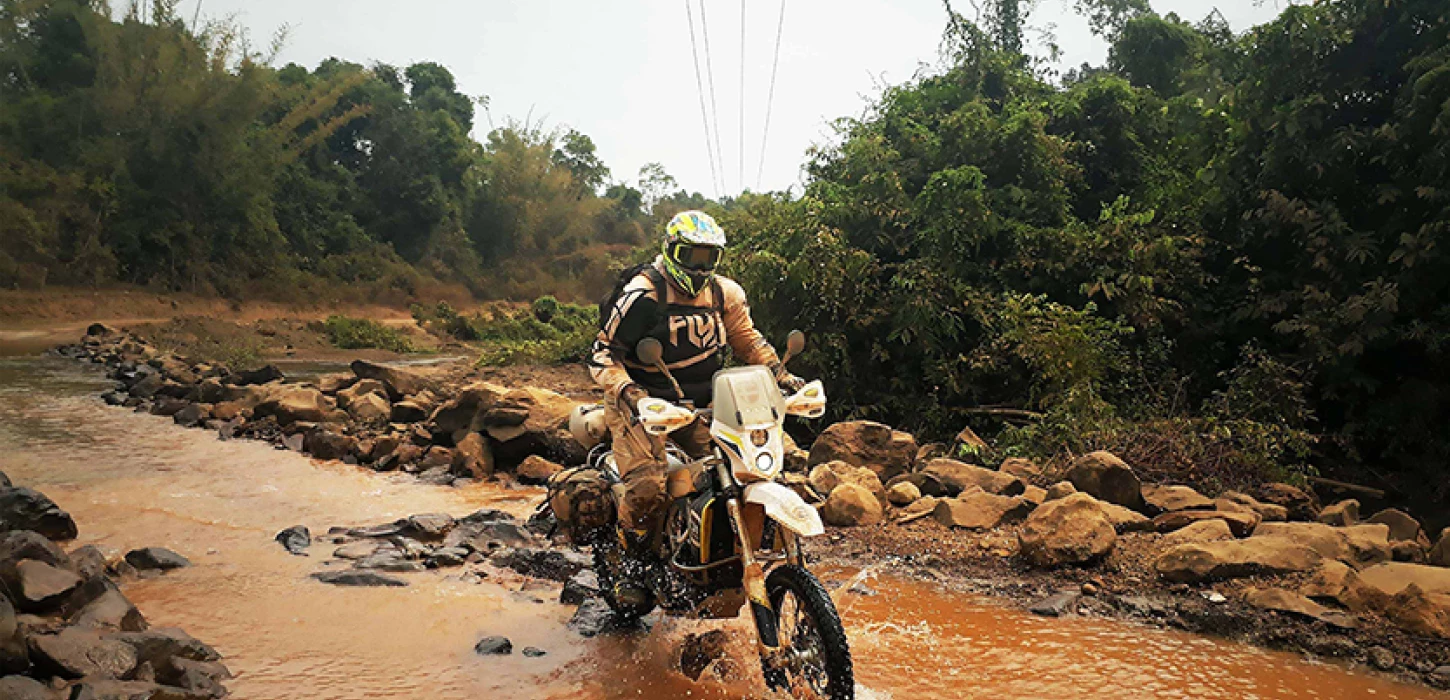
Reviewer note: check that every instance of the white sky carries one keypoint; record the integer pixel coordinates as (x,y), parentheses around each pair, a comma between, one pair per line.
(621,71)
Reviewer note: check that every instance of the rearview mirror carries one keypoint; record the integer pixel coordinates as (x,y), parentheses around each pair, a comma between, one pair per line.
(649,351)
(795,342)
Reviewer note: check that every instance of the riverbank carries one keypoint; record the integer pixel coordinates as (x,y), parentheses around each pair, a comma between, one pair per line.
(456,428)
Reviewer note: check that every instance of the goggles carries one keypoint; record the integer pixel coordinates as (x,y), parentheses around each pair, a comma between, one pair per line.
(696,257)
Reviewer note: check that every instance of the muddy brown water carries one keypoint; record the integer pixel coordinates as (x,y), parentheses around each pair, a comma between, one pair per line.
(135,480)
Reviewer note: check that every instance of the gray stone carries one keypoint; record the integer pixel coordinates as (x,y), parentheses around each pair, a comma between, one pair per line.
(155,559)
(1381,658)
(580,587)
(24,509)
(295,539)
(357,578)
(42,585)
(493,646)
(1056,605)
(76,652)
(22,688)
(551,564)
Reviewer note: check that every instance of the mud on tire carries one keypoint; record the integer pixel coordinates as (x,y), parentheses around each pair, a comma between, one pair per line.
(819,626)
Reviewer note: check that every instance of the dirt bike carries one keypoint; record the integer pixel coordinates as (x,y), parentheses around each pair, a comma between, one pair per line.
(732,533)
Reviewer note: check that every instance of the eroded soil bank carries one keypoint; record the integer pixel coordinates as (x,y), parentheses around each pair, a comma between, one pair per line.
(140,479)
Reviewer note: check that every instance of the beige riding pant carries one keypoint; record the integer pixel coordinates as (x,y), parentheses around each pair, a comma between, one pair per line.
(640,458)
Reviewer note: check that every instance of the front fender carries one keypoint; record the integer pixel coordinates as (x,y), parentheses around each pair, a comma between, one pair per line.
(786,507)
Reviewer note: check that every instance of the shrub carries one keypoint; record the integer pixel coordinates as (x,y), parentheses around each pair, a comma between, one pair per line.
(358,333)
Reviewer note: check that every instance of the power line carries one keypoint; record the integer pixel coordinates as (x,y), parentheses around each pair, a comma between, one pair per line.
(700,90)
(770,96)
(742,95)
(710,78)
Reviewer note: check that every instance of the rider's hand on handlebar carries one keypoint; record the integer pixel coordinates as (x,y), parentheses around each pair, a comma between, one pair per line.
(629,398)
(791,383)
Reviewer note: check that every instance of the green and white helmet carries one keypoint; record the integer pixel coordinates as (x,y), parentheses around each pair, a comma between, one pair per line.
(692,248)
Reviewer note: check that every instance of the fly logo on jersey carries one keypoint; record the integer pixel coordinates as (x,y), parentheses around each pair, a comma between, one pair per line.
(699,330)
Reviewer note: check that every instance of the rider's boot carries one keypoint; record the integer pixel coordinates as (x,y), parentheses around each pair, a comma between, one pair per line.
(626,560)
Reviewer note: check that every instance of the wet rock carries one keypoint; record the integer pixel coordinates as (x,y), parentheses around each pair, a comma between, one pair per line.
(1381,658)
(592,618)
(1440,554)
(437,457)
(356,550)
(1105,477)
(1056,605)
(493,646)
(75,652)
(1403,527)
(866,444)
(110,610)
(850,505)
(390,560)
(1241,524)
(227,410)
(400,383)
(191,415)
(22,688)
(1168,499)
(1024,469)
(326,444)
(168,406)
(462,411)
(162,647)
(299,404)
(446,557)
(698,651)
(113,398)
(1341,514)
(1360,545)
(1191,563)
(488,536)
(261,375)
(155,559)
(147,386)
(959,476)
(357,578)
(295,539)
(24,509)
(1280,600)
(370,408)
(473,457)
(536,471)
(979,510)
(437,476)
(552,564)
(1061,489)
(42,585)
(1269,512)
(1071,530)
(534,652)
(1202,531)
(903,494)
(429,526)
(580,587)
(408,411)
(14,657)
(20,545)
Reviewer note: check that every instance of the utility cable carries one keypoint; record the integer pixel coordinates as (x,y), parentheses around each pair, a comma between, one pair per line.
(710,78)
(770,95)
(742,95)
(700,90)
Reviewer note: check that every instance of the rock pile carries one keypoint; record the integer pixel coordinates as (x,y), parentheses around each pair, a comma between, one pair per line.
(382,417)
(66,630)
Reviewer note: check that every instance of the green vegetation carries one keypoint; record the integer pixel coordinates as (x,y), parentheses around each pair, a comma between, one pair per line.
(1216,255)
(546,331)
(232,177)
(359,333)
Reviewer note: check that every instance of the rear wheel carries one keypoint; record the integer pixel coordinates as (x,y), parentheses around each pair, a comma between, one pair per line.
(817,657)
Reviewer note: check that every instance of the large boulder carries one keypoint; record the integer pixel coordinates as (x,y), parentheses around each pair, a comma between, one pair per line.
(299,404)
(42,586)
(1169,499)
(1068,530)
(1403,527)
(1357,546)
(979,510)
(1203,561)
(473,457)
(832,474)
(1283,601)
(1212,530)
(19,545)
(23,688)
(1105,477)
(401,383)
(24,509)
(850,505)
(261,375)
(109,610)
(903,493)
(1126,520)
(1341,514)
(1300,504)
(77,652)
(866,444)
(1414,596)
(464,411)
(1269,512)
(1242,524)
(536,470)
(360,388)
(1390,578)
(14,657)
(959,476)
(370,408)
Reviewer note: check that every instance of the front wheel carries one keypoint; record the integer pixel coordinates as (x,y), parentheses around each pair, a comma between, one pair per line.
(817,657)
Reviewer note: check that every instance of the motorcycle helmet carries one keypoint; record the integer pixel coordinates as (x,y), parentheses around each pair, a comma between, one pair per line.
(692,248)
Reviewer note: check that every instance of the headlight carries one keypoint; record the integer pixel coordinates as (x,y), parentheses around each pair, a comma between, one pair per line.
(759,437)
(764,462)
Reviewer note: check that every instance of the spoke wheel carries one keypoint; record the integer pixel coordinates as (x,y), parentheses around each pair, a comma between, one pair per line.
(817,659)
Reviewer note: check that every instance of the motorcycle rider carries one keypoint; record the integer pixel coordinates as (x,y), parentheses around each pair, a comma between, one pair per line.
(695,314)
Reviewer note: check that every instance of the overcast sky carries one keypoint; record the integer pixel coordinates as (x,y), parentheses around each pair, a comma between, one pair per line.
(622,71)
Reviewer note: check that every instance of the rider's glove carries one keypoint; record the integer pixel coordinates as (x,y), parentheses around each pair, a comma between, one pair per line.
(629,398)
(791,383)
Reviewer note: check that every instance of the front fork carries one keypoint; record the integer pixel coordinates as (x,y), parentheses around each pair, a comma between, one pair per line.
(753,575)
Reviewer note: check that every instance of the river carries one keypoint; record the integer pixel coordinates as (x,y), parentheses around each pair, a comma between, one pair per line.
(135,480)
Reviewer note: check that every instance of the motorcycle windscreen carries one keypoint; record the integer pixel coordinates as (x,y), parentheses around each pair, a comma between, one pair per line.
(747,398)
